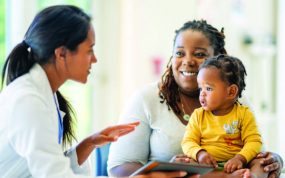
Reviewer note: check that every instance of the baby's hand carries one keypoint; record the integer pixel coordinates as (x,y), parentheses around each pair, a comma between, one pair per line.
(204,157)
(234,164)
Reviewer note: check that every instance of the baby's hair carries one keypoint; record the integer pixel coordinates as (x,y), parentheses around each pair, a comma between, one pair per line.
(168,90)
(232,70)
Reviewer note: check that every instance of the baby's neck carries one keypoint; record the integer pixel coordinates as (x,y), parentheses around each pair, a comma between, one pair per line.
(224,110)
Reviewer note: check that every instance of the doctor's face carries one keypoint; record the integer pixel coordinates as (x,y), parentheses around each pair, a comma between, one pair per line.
(79,61)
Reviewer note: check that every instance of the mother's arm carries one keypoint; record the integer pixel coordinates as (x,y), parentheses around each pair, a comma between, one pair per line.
(129,153)
(132,151)
(125,169)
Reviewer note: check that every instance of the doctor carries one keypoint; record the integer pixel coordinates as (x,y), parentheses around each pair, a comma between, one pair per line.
(36,120)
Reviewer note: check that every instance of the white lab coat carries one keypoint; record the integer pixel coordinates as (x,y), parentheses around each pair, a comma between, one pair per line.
(29,131)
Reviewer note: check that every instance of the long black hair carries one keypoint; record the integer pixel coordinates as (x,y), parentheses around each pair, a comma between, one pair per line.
(168,91)
(55,26)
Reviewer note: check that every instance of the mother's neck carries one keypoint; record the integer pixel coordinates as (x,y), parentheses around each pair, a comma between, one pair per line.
(189,94)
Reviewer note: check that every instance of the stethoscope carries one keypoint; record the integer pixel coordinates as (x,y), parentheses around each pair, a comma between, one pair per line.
(60,121)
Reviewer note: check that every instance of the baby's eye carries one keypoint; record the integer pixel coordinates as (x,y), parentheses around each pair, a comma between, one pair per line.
(209,89)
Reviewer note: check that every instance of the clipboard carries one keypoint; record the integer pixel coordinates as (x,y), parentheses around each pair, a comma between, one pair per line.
(190,168)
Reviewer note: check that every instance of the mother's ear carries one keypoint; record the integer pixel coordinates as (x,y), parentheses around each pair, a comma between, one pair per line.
(233,91)
(60,52)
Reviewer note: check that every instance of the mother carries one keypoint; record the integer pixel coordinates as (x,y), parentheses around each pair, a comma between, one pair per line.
(164,108)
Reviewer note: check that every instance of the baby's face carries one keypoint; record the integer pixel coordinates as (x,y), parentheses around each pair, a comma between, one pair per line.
(213,90)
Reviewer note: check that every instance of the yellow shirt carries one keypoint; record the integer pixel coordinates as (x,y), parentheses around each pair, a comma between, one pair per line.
(222,136)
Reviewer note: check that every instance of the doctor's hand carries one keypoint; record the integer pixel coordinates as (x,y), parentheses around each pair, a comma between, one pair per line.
(112,133)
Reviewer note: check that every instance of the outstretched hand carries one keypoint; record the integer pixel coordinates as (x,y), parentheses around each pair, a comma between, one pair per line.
(112,133)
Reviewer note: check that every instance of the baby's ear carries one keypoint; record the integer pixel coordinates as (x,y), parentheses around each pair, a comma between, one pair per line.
(233,91)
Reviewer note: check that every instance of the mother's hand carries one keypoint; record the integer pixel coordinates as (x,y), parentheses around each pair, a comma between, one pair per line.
(272,163)
(181,158)
(166,175)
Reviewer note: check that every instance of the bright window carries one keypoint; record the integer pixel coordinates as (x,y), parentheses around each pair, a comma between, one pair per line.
(2,34)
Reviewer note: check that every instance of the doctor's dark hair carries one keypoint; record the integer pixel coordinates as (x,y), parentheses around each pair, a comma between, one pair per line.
(232,70)
(168,90)
(55,26)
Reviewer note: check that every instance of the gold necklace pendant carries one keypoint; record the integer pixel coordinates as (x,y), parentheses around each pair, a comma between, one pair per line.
(186,117)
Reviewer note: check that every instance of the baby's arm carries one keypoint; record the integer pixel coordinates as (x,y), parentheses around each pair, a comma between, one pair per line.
(250,136)
(191,141)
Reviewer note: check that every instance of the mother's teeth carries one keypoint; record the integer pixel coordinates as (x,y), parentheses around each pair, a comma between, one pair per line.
(189,73)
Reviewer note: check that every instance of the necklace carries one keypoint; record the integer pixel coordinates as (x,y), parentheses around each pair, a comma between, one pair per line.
(186,116)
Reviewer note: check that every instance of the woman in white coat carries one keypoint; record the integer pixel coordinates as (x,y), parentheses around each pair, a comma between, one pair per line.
(36,120)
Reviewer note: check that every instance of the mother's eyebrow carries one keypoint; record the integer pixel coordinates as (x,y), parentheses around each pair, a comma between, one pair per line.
(201,48)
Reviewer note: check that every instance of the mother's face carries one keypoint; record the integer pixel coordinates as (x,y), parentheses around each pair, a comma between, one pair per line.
(191,48)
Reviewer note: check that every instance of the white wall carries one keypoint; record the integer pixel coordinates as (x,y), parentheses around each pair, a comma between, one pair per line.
(105,75)
(18,19)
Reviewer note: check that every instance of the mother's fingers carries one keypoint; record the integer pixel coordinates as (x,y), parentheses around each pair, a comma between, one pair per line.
(271,167)
(262,155)
(268,160)
(181,158)
(274,174)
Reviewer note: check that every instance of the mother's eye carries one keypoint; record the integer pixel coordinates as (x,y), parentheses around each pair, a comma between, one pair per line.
(201,55)
(179,54)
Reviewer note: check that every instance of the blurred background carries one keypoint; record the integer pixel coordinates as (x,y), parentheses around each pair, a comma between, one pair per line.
(134,41)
